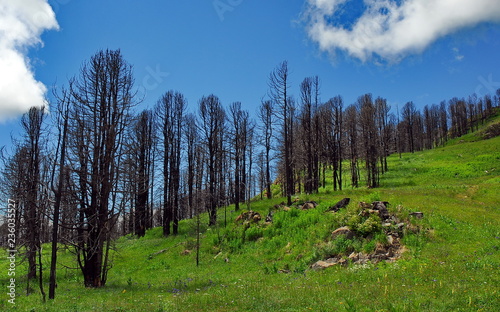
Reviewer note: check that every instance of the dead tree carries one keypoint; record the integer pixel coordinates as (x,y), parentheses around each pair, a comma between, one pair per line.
(369,139)
(306,113)
(144,138)
(352,141)
(334,138)
(191,140)
(279,94)
(409,115)
(266,113)
(62,124)
(102,98)
(32,123)
(383,128)
(170,113)
(212,126)
(239,137)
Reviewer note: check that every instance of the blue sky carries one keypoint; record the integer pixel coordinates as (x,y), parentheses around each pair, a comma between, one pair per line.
(229,47)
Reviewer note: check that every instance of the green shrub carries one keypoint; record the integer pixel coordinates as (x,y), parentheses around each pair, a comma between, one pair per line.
(491,131)
(294,212)
(369,246)
(324,250)
(235,244)
(353,221)
(371,225)
(253,233)
(343,246)
(380,238)
(375,196)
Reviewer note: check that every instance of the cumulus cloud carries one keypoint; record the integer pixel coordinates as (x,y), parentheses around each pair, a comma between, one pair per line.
(21,25)
(392,29)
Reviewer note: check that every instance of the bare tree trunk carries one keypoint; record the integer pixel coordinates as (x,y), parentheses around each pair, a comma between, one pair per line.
(191,134)
(266,117)
(212,129)
(170,111)
(352,133)
(58,194)
(278,85)
(102,99)
(32,124)
(144,138)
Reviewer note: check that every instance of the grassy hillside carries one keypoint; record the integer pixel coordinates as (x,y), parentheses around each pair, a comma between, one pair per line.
(451,264)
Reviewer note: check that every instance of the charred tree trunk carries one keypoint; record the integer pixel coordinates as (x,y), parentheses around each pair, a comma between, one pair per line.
(278,85)
(102,98)
(212,131)
(266,117)
(58,192)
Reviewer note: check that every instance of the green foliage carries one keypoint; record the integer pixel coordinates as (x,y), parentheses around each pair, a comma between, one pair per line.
(451,263)
(371,225)
(491,131)
(253,233)
(353,220)
(369,246)
(374,196)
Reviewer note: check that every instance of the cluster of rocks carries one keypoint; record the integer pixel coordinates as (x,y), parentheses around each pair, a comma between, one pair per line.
(302,206)
(389,253)
(308,205)
(282,206)
(390,250)
(377,207)
(392,228)
(249,216)
(339,205)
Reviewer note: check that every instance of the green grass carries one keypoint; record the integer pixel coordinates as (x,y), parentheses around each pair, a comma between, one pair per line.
(452,265)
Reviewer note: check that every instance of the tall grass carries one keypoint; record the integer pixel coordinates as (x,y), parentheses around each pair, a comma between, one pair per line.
(453,265)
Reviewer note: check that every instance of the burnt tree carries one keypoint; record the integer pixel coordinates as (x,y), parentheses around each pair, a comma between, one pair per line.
(279,94)
(239,136)
(102,96)
(266,117)
(170,113)
(369,139)
(143,150)
(212,127)
(32,123)
(351,114)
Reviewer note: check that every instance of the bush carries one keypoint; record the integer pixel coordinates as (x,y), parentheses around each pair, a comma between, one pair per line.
(235,244)
(372,225)
(491,131)
(353,221)
(381,238)
(338,247)
(369,246)
(375,196)
(253,233)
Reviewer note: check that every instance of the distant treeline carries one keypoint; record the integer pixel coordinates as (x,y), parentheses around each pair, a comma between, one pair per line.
(94,169)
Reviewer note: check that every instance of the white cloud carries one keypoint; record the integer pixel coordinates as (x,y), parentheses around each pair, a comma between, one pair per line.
(393,29)
(21,25)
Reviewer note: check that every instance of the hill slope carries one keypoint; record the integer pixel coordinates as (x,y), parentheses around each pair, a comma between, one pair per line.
(452,264)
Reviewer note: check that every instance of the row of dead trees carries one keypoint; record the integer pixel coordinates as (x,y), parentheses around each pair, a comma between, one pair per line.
(315,136)
(94,169)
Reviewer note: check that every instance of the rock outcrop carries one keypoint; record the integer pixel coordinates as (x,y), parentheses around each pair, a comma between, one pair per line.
(339,205)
